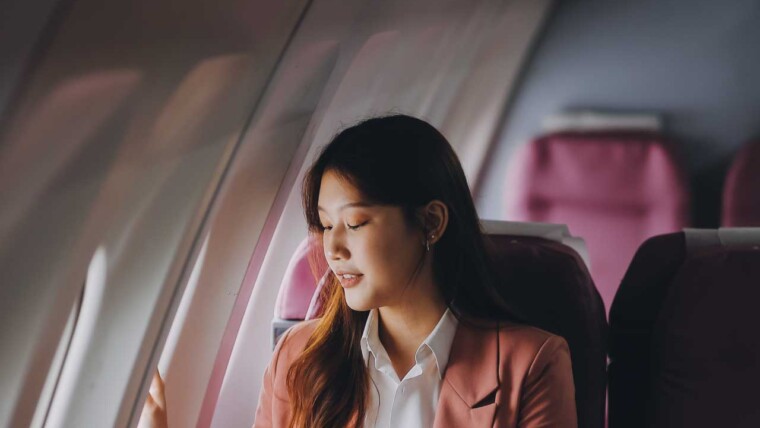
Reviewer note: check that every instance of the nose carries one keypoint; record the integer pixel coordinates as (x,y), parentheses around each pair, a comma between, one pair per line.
(335,245)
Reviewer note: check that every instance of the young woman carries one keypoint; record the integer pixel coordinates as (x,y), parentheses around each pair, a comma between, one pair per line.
(414,332)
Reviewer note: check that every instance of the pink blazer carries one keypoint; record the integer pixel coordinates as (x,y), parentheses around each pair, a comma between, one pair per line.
(516,376)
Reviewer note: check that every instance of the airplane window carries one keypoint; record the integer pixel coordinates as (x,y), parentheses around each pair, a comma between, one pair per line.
(175,372)
(51,381)
(82,327)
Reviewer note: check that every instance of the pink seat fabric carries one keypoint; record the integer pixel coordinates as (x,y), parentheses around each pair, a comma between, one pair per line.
(741,192)
(614,189)
(297,286)
(298,297)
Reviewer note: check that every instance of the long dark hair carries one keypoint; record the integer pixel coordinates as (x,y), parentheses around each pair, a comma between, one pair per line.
(400,161)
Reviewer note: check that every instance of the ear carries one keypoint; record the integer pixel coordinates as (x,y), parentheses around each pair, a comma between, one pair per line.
(435,218)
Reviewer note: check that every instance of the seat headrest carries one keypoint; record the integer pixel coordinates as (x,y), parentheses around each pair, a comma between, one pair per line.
(728,237)
(298,284)
(317,302)
(583,121)
(553,232)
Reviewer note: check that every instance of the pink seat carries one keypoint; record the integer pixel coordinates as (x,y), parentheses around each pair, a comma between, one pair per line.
(614,189)
(296,299)
(741,193)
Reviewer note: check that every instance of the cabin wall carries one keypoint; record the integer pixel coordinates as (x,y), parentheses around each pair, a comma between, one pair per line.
(694,61)
(114,150)
(22,26)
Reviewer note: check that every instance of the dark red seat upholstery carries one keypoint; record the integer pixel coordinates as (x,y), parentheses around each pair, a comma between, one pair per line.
(741,192)
(613,189)
(684,347)
(632,316)
(549,283)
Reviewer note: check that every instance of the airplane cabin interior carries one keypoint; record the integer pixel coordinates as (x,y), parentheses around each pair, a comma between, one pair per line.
(152,154)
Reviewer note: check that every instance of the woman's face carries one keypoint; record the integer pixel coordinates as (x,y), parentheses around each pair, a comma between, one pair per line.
(373,243)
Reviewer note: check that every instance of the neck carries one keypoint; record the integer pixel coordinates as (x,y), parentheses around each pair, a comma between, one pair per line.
(404,327)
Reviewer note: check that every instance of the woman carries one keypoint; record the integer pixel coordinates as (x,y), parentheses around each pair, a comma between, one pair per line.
(413,333)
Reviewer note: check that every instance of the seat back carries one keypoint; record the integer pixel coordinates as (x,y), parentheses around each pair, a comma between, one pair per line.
(615,189)
(548,282)
(296,299)
(634,310)
(684,349)
(741,191)
(545,278)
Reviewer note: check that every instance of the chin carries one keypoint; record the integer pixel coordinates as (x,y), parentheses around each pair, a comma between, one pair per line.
(358,302)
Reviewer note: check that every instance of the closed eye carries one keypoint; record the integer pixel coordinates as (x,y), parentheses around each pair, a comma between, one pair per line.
(356,226)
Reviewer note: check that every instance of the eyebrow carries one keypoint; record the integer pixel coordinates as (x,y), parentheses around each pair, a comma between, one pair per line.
(359,204)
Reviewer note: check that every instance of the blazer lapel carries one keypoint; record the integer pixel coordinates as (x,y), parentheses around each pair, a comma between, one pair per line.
(471,380)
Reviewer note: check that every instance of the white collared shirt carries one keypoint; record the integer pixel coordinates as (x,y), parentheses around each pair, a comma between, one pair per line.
(411,401)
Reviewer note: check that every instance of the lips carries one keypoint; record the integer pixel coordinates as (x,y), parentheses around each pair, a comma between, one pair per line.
(348,279)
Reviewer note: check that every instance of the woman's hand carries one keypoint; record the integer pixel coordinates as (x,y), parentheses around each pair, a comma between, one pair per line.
(154,410)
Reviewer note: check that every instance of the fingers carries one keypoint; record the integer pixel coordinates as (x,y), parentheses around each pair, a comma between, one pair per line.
(154,411)
(157,394)
(150,402)
(157,382)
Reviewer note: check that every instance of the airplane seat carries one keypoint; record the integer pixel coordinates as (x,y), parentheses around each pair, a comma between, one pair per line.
(683,345)
(741,191)
(297,296)
(632,315)
(548,283)
(613,188)
(522,252)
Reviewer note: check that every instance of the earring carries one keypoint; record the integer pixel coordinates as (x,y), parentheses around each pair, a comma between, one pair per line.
(427,242)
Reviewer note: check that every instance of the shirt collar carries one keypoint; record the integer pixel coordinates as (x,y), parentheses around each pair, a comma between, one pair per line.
(439,340)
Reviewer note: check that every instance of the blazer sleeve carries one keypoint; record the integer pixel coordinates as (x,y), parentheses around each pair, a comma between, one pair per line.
(264,412)
(548,396)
